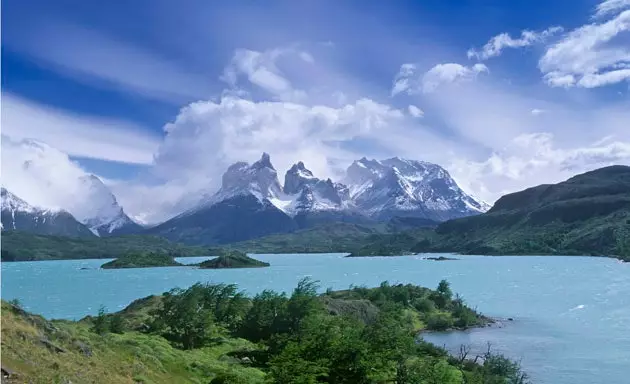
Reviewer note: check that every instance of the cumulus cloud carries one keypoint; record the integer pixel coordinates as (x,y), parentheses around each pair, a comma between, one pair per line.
(533,159)
(78,135)
(261,69)
(407,80)
(208,136)
(415,111)
(498,43)
(592,55)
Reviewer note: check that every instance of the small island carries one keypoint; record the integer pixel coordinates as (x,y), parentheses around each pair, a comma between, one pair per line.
(142,260)
(232,259)
(441,258)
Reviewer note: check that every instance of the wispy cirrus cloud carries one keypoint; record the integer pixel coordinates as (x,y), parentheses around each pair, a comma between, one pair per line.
(78,135)
(261,69)
(498,43)
(608,7)
(99,60)
(409,81)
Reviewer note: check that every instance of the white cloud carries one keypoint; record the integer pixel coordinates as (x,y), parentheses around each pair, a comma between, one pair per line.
(407,79)
(46,177)
(537,111)
(415,111)
(590,56)
(450,73)
(261,69)
(207,136)
(607,7)
(104,62)
(498,43)
(534,159)
(77,135)
(403,79)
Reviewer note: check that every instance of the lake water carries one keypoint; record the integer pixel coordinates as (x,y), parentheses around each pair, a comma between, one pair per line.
(571,314)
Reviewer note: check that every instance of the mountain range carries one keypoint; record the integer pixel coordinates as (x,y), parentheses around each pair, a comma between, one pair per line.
(103,217)
(253,203)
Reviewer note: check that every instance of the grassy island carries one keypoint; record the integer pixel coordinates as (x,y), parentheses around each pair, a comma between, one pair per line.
(142,260)
(232,259)
(215,334)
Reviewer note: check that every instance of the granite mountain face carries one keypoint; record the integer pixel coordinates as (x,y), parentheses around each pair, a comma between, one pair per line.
(408,188)
(252,203)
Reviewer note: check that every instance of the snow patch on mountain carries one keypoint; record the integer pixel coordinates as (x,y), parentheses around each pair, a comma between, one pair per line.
(400,186)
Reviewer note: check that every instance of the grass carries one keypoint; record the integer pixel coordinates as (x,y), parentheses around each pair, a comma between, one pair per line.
(131,357)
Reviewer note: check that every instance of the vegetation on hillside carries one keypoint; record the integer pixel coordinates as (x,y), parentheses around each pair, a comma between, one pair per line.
(214,334)
(22,246)
(142,260)
(232,259)
(586,215)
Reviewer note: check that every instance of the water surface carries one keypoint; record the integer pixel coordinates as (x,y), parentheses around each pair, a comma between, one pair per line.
(571,314)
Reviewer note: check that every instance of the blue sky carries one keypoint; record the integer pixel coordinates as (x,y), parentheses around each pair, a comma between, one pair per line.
(158,97)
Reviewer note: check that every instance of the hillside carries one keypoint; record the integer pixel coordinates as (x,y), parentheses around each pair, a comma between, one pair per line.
(22,246)
(588,214)
(214,334)
(328,238)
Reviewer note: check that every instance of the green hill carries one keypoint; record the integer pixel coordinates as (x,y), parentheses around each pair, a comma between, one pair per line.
(23,246)
(215,334)
(588,214)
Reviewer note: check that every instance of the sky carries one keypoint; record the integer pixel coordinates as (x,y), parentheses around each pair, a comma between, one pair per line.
(158,97)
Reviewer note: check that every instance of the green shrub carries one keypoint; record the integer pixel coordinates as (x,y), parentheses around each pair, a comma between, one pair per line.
(439,321)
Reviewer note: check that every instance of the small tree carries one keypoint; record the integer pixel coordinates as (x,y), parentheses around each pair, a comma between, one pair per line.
(16,303)
(185,318)
(117,323)
(444,289)
(101,325)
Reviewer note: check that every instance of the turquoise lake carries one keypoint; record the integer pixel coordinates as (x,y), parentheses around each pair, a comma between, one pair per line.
(571,314)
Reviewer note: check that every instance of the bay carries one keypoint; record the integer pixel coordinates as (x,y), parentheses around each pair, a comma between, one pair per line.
(571,314)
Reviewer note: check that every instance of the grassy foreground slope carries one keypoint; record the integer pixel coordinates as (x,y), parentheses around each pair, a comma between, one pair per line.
(22,246)
(214,334)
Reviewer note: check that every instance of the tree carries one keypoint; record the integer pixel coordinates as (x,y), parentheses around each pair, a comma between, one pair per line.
(101,325)
(267,316)
(444,288)
(117,323)
(303,301)
(185,319)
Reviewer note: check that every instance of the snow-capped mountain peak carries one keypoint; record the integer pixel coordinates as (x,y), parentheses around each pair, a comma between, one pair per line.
(10,202)
(309,193)
(19,215)
(259,179)
(399,186)
(98,208)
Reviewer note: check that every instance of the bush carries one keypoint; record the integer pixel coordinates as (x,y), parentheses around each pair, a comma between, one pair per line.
(424,305)
(439,321)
